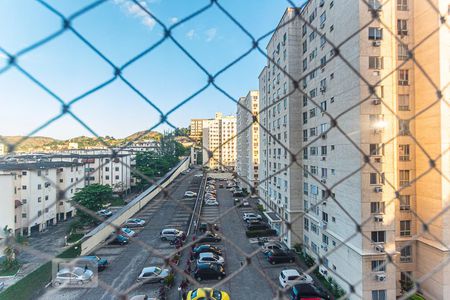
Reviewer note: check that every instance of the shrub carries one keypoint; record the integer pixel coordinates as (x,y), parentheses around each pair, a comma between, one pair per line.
(260,233)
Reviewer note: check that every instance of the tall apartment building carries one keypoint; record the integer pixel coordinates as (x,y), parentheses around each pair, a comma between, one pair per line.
(219,139)
(280,134)
(391,197)
(30,194)
(247,162)
(196,129)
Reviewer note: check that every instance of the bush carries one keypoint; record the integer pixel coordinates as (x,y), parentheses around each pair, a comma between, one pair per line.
(260,233)
(260,208)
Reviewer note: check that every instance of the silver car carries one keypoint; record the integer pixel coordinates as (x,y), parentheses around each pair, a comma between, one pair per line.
(153,274)
(75,276)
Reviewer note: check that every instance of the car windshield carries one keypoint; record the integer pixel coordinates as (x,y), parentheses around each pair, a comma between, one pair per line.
(78,271)
(157,271)
(217,295)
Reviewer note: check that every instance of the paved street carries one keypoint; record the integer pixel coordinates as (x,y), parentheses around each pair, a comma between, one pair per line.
(126,262)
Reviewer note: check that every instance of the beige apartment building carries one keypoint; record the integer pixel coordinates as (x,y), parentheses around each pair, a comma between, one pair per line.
(247,161)
(393,195)
(219,140)
(196,129)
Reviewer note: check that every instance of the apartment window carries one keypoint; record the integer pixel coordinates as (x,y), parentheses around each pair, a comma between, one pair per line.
(305,135)
(312,36)
(323,40)
(405,202)
(378,266)
(313,151)
(24,173)
(325,239)
(313,54)
(24,215)
(376,62)
(24,187)
(312,112)
(313,93)
(406,279)
(305,171)
(323,150)
(39,187)
(314,228)
(39,199)
(117,177)
(305,117)
(403,127)
(46,210)
(305,153)
(313,131)
(39,213)
(305,100)
(46,198)
(376,178)
(313,15)
(403,77)
(379,295)
(323,18)
(305,46)
(305,188)
(304,29)
(306,222)
(378,236)
(323,61)
(406,254)
(377,207)
(403,52)
(24,201)
(404,152)
(374,4)
(404,177)
(107,177)
(314,170)
(305,64)
(117,169)
(375,33)
(403,102)
(402,5)
(323,127)
(376,149)
(323,106)
(402,27)
(405,228)
(61,180)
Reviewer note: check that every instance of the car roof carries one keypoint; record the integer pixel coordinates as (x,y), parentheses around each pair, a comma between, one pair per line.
(291,272)
(149,269)
(206,254)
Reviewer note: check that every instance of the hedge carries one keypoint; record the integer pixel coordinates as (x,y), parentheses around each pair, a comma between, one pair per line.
(260,233)
(31,285)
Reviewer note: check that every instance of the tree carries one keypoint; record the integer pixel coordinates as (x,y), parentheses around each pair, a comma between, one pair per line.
(9,251)
(92,197)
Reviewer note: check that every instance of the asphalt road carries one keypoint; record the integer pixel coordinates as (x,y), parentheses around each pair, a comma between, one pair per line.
(126,262)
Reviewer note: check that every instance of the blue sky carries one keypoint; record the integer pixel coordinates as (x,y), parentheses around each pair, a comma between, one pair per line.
(120,30)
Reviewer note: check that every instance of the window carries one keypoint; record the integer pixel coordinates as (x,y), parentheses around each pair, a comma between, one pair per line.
(404,177)
(305,46)
(403,77)
(314,228)
(323,106)
(403,127)
(313,131)
(323,40)
(376,178)
(305,153)
(305,188)
(313,93)
(376,149)
(117,169)
(323,127)
(312,112)
(305,100)
(314,170)
(305,135)
(402,27)
(403,52)
(39,199)
(402,5)
(377,207)
(376,62)
(323,61)
(304,30)
(405,202)
(61,180)
(375,33)
(107,177)
(374,4)
(39,187)
(378,266)
(24,187)
(324,172)
(313,151)
(403,102)
(305,65)
(106,169)
(305,117)
(323,18)
(325,239)
(404,152)
(379,295)
(46,198)
(312,36)
(24,215)
(306,222)
(406,254)
(378,236)
(405,228)
(406,280)
(323,150)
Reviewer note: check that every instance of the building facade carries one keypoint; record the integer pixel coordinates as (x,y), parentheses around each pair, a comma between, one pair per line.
(219,142)
(196,129)
(377,161)
(247,161)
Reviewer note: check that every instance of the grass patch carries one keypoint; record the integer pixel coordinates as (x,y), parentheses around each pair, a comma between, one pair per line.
(74,237)
(31,285)
(117,201)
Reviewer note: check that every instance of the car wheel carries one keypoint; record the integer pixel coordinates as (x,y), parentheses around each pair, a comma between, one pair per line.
(56,283)
(272,262)
(219,277)
(199,279)
(80,282)
(291,260)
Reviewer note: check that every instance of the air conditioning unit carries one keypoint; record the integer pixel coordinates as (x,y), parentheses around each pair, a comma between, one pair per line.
(323,158)
(324,247)
(379,248)
(378,218)
(376,43)
(378,189)
(324,136)
(323,270)
(376,101)
(323,180)
(323,225)
(378,159)
(380,277)
(323,89)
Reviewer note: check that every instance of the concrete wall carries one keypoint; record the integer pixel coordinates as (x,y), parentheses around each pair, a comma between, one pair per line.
(94,238)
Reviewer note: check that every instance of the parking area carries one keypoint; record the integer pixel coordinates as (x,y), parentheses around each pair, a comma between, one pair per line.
(126,262)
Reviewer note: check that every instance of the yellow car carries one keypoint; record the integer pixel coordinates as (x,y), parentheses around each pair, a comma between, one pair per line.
(207,294)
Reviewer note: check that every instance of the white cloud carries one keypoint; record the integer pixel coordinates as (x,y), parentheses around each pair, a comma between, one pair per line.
(210,34)
(173,20)
(190,34)
(137,11)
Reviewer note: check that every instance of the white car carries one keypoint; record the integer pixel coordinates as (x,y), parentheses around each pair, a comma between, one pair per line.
(292,277)
(170,234)
(77,276)
(208,257)
(190,194)
(153,274)
(127,232)
(211,202)
(198,175)
(251,216)
(135,222)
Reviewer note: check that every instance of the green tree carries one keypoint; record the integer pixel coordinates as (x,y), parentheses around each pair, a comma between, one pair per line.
(92,197)
(9,251)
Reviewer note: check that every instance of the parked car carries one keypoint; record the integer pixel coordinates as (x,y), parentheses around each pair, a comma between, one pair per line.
(127,232)
(205,249)
(207,293)
(251,216)
(238,193)
(209,257)
(105,213)
(198,175)
(153,274)
(170,234)
(209,271)
(209,237)
(258,226)
(211,202)
(273,245)
(136,222)
(279,256)
(221,186)
(292,277)
(74,276)
(118,239)
(203,227)
(244,203)
(101,263)
(190,194)
(210,196)
(307,291)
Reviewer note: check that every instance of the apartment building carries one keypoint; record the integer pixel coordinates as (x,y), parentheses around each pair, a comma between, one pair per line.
(219,141)
(31,198)
(196,129)
(393,124)
(280,135)
(247,161)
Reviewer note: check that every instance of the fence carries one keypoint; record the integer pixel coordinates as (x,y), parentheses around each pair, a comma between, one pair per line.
(431,281)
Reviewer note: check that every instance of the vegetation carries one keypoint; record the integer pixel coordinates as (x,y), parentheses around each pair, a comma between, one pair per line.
(10,265)
(92,197)
(260,233)
(260,208)
(74,237)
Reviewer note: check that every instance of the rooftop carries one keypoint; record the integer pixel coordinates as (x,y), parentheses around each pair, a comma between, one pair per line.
(42,165)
